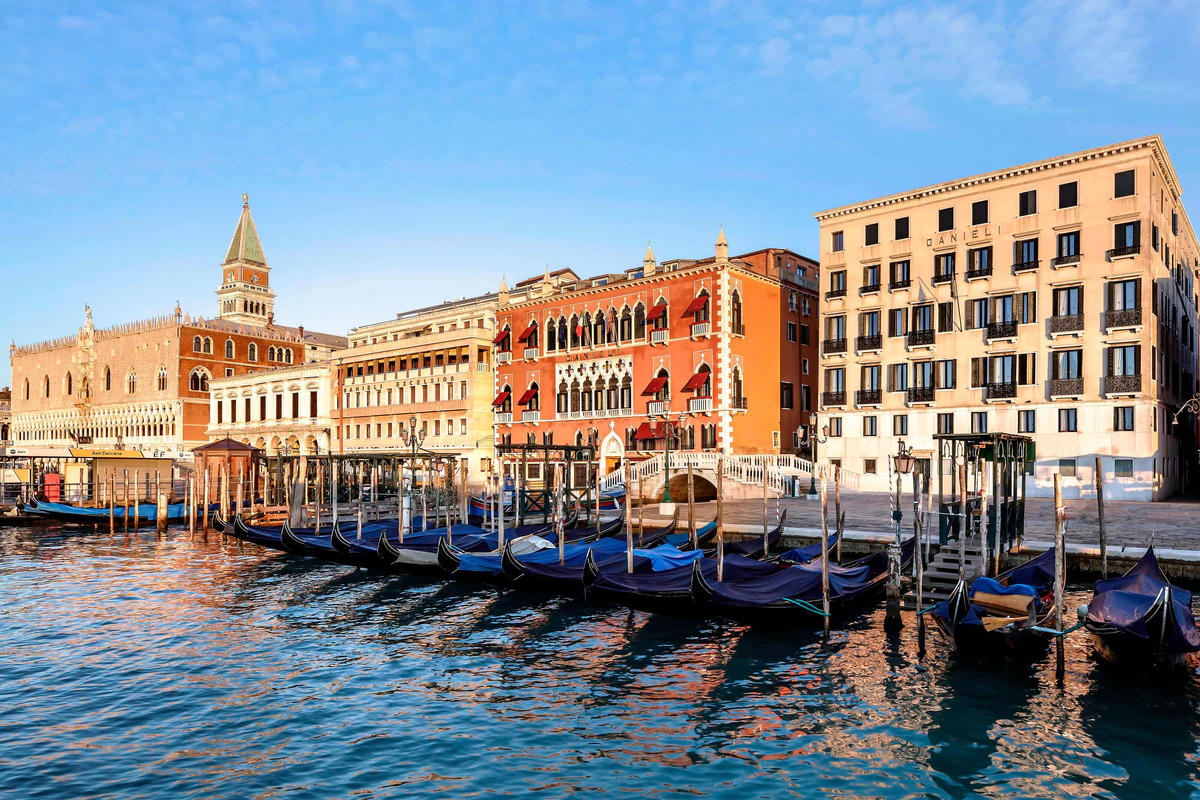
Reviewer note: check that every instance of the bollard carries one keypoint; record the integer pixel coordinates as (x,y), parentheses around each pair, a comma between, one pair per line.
(160,514)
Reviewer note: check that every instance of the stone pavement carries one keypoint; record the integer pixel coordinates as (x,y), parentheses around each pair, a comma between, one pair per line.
(1173,524)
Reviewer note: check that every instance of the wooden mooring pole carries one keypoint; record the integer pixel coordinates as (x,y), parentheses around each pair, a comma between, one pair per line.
(838,517)
(720,518)
(825,555)
(1060,568)
(691,507)
(1100,514)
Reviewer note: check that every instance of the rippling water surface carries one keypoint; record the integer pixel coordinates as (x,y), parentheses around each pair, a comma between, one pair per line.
(190,669)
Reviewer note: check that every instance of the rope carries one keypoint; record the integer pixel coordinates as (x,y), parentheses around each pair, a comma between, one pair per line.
(807,606)
(1053,632)
(927,610)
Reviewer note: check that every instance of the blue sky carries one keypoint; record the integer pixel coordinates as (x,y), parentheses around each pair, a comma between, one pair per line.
(398,154)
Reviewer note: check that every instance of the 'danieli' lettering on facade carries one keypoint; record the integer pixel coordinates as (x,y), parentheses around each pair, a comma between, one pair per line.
(956,237)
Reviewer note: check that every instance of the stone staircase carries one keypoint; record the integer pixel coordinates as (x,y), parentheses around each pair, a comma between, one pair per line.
(941,573)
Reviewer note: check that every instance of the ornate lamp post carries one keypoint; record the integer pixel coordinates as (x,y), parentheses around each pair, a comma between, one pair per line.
(903,460)
(413,439)
(814,439)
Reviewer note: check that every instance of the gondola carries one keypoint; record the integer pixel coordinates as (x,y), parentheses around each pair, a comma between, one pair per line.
(489,567)
(670,590)
(542,570)
(704,537)
(792,594)
(80,515)
(418,551)
(320,545)
(1140,619)
(1011,613)
(484,507)
(808,553)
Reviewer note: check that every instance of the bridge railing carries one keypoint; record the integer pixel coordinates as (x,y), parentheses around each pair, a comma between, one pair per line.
(745,468)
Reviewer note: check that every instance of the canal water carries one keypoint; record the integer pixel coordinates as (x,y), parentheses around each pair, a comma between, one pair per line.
(192,669)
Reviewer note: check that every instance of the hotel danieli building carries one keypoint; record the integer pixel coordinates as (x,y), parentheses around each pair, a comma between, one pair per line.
(1055,299)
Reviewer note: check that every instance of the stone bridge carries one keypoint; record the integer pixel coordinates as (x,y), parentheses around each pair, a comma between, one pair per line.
(744,475)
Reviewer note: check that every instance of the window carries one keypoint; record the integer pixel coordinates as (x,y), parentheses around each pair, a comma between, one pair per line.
(945,423)
(804,333)
(1124,360)
(791,331)
(1122,467)
(871,234)
(839,242)
(1124,295)
(897,377)
(868,323)
(295,405)
(943,265)
(869,466)
(869,426)
(1154,237)
(1068,422)
(945,316)
(804,366)
(897,322)
(947,373)
(1123,418)
(130,383)
(1127,235)
(835,379)
(229,348)
(1123,184)
(1026,369)
(871,276)
(1068,244)
(1026,421)
(1068,301)
(785,394)
(979,212)
(835,426)
(1066,364)
(1068,195)
(1025,252)
(869,377)
(1027,203)
(922,317)
(197,345)
(899,273)
(977,313)
(946,219)
(901,228)
(979,259)
(900,425)
(837,281)
(220,412)
(160,381)
(1027,307)
(312,409)
(1175,223)
(229,372)
(979,422)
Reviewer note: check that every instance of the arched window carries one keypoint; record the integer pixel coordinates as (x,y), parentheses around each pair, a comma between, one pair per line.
(627,393)
(506,406)
(562,333)
(639,321)
(197,344)
(287,356)
(585,396)
(579,438)
(702,314)
(551,335)
(131,382)
(560,402)
(252,352)
(613,398)
(598,328)
(161,380)
(107,379)
(735,312)
(574,396)
(701,382)
(229,348)
(69,385)
(46,386)
(198,380)
(208,345)
(576,329)
(664,392)
(271,354)
(27,388)
(626,324)
(598,395)
(535,399)
(611,335)
(585,329)
(735,388)
(630,440)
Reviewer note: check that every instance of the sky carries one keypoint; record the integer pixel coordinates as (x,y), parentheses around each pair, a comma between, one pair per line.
(402,154)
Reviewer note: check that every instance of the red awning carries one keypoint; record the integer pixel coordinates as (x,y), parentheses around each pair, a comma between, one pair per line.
(697,381)
(696,305)
(525,334)
(654,387)
(527,397)
(646,431)
(501,336)
(579,330)
(500,398)
(656,312)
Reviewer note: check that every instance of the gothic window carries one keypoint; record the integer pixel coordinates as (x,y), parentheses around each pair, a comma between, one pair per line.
(574,395)
(229,348)
(252,352)
(703,314)
(705,389)
(198,380)
(272,355)
(664,393)
(161,380)
(627,392)
(612,326)
(585,397)
(560,402)
(506,406)
(551,336)
(579,438)
(107,379)
(197,344)
(639,321)
(46,386)
(735,311)
(70,385)
(287,356)
(208,345)
(613,399)
(535,402)
(562,333)
(27,388)
(626,324)
(575,330)
(131,382)
(735,386)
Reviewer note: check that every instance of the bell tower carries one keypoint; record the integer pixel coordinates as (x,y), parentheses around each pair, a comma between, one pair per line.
(245,295)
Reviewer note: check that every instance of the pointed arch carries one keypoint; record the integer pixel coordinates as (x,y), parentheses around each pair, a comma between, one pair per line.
(735,312)
(639,320)
(626,326)
(229,349)
(26,389)
(272,355)
(68,384)
(45,386)
(160,380)
(131,382)
(198,380)
(252,352)
(197,344)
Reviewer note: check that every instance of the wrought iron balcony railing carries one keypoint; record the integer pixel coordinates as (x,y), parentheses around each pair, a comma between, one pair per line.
(868,397)
(1122,318)
(1000,391)
(1026,266)
(1066,387)
(1066,323)
(979,272)
(944,277)
(919,394)
(1063,261)
(1002,330)
(832,293)
(830,346)
(919,338)
(869,342)
(1123,384)
(1123,252)
(901,283)
(869,288)
(830,399)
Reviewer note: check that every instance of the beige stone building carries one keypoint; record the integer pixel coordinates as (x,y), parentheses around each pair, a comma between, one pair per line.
(1055,299)
(145,384)
(282,410)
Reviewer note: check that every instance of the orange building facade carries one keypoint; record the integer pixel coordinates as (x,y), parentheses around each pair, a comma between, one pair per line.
(718,354)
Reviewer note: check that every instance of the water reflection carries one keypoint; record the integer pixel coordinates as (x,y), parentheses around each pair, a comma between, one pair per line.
(147,667)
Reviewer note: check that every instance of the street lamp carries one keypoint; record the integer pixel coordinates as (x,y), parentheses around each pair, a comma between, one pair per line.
(814,439)
(903,460)
(414,439)
(666,498)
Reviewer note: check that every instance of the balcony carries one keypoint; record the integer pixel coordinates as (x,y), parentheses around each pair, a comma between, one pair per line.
(699,404)
(1123,252)
(738,329)
(1122,385)
(945,277)
(700,329)
(504,357)
(832,293)
(921,338)
(739,404)
(999,391)
(503,417)
(657,407)
(1122,318)
(902,283)
(1002,330)
(1066,323)
(1064,261)
(831,346)
(531,353)
(865,344)
(532,415)
(868,397)
(979,273)
(1026,266)
(1066,387)
(832,399)
(917,395)
(659,336)
(870,288)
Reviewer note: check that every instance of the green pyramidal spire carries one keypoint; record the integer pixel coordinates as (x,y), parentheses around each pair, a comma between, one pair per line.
(245,245)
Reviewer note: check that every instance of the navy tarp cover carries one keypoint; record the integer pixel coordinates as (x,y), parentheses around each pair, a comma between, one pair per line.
(752,547)
(993,586)
(678,580)
(803,555)
(1124,602)
(1037,572)
(681,539)
(606,551)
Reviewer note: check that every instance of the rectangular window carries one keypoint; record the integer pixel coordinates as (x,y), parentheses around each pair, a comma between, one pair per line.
(804,366)
(869,466)
(220,413)
(1068,421)
(837,281)
(871,234)
(1026,421)
(1027,203)
(803,333)
(1175,223)
(1027,308)
(869,377)
(1123,361)
(1066,467)
(945,316)
(943,265)
(869,426)
(1124,295)
(868,323)
(871,276)
(977,313)
(1068,195)
(897,322)
(791,331)
(922,317)
(901,228)
(839,242)
(979,374)
(946,219)
(897,377)
(900,425)
(1123,418)
(945,423)
(1123,184)
(1027,369)
(1068,244)
(785,395)
(312,404)
(899,273)
(1068,301)
(1066,364)
(979,212)
(947,373)
(1154,237)
(922,374)
(835,426)
(979,422)
(1122,467)
(233,410)
(1025,252)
